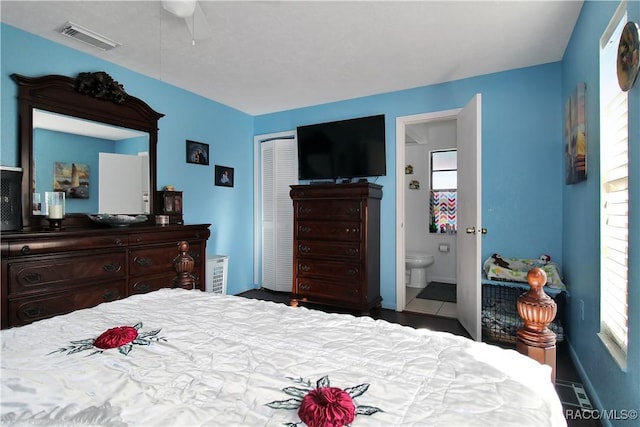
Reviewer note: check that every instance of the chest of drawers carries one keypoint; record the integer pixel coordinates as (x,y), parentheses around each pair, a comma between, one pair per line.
(49,273)
(337,244)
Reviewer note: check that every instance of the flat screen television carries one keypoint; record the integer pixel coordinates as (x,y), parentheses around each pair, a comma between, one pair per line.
(344,149)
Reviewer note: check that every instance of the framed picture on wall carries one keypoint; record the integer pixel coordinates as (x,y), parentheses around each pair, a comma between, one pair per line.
(575,136)
(197,152)
(71,178)
(224,176)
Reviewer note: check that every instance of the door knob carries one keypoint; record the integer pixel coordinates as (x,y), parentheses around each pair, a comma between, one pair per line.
(470,230)
(483,230)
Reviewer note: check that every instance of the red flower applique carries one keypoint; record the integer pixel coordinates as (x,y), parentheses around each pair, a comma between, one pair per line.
(116,337)
(327,407)
(323,405)
(121,337)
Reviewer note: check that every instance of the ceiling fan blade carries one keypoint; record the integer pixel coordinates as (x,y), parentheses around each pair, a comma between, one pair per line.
(198,24)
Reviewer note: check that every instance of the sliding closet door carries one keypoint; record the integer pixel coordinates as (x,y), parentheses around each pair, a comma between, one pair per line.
(279,170)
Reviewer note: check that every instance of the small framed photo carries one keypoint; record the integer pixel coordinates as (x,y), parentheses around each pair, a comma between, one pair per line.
(197,152)
(224,176)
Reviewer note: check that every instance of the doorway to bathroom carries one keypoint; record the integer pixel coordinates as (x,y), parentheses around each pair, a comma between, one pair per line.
(456,251)
(430,217)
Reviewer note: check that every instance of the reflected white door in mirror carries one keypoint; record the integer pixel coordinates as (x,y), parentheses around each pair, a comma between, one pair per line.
(123,184)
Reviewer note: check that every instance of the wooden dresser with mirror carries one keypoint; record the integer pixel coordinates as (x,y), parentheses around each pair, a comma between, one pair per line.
(48,272)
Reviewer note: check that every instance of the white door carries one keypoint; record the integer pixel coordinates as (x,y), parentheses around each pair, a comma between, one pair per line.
(279,170)
(469,234)
(120,184)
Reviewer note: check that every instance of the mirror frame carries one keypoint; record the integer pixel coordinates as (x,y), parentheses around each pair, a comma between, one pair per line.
(92,96)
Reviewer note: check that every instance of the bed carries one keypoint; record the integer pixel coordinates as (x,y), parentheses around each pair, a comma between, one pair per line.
(208,359)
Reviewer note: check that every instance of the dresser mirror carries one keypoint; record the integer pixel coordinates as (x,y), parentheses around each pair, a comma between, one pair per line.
(87,137)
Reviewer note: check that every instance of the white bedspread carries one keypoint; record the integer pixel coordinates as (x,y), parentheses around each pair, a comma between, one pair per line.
(218,360)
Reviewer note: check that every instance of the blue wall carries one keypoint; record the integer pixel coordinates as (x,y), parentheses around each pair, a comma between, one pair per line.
(581,224)
(132,146)
(522,154)
(228,132)
(51,146)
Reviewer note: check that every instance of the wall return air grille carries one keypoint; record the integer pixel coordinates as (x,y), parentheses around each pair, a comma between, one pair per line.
(88,36)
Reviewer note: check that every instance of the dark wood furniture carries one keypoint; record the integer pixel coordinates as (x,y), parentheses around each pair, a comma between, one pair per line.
(91,96)
(49,273)
(46,273)
(537,310)
(170,204)
(336,253)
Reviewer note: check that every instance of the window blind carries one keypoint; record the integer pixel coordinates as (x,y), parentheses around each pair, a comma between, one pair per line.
(615,202)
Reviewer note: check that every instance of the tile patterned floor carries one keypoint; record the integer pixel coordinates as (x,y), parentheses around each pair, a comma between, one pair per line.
(427,306)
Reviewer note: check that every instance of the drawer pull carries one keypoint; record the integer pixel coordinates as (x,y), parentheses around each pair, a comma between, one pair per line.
(352,230)
(304,229)
(110,295)
(304,210)
(304,248)
(32,312)
(143,287)
(353,211)
(118,242)
(304,267)
(351,251)
(138,239)
(32,277)
(352,272)
(305,287)
(25,249)
(143,261)
(111,268)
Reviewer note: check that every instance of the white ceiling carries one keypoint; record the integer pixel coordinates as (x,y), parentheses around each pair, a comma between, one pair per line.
(267,56)
(61,123)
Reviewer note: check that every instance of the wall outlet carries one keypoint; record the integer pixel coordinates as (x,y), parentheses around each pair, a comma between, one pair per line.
(581,309)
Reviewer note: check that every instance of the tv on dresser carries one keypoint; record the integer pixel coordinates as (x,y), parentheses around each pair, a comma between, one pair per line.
(344,149)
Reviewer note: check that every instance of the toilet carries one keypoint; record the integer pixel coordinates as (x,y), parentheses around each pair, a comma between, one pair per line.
(416,264)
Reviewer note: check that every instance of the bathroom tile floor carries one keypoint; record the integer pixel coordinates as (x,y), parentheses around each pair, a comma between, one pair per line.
(427,306)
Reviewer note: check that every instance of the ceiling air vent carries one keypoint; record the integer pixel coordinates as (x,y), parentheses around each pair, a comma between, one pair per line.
(87,36)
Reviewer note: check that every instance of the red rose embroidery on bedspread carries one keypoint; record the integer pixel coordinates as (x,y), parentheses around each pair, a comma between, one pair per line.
(323,405)
(327,406)
(116,337)
(121,337)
